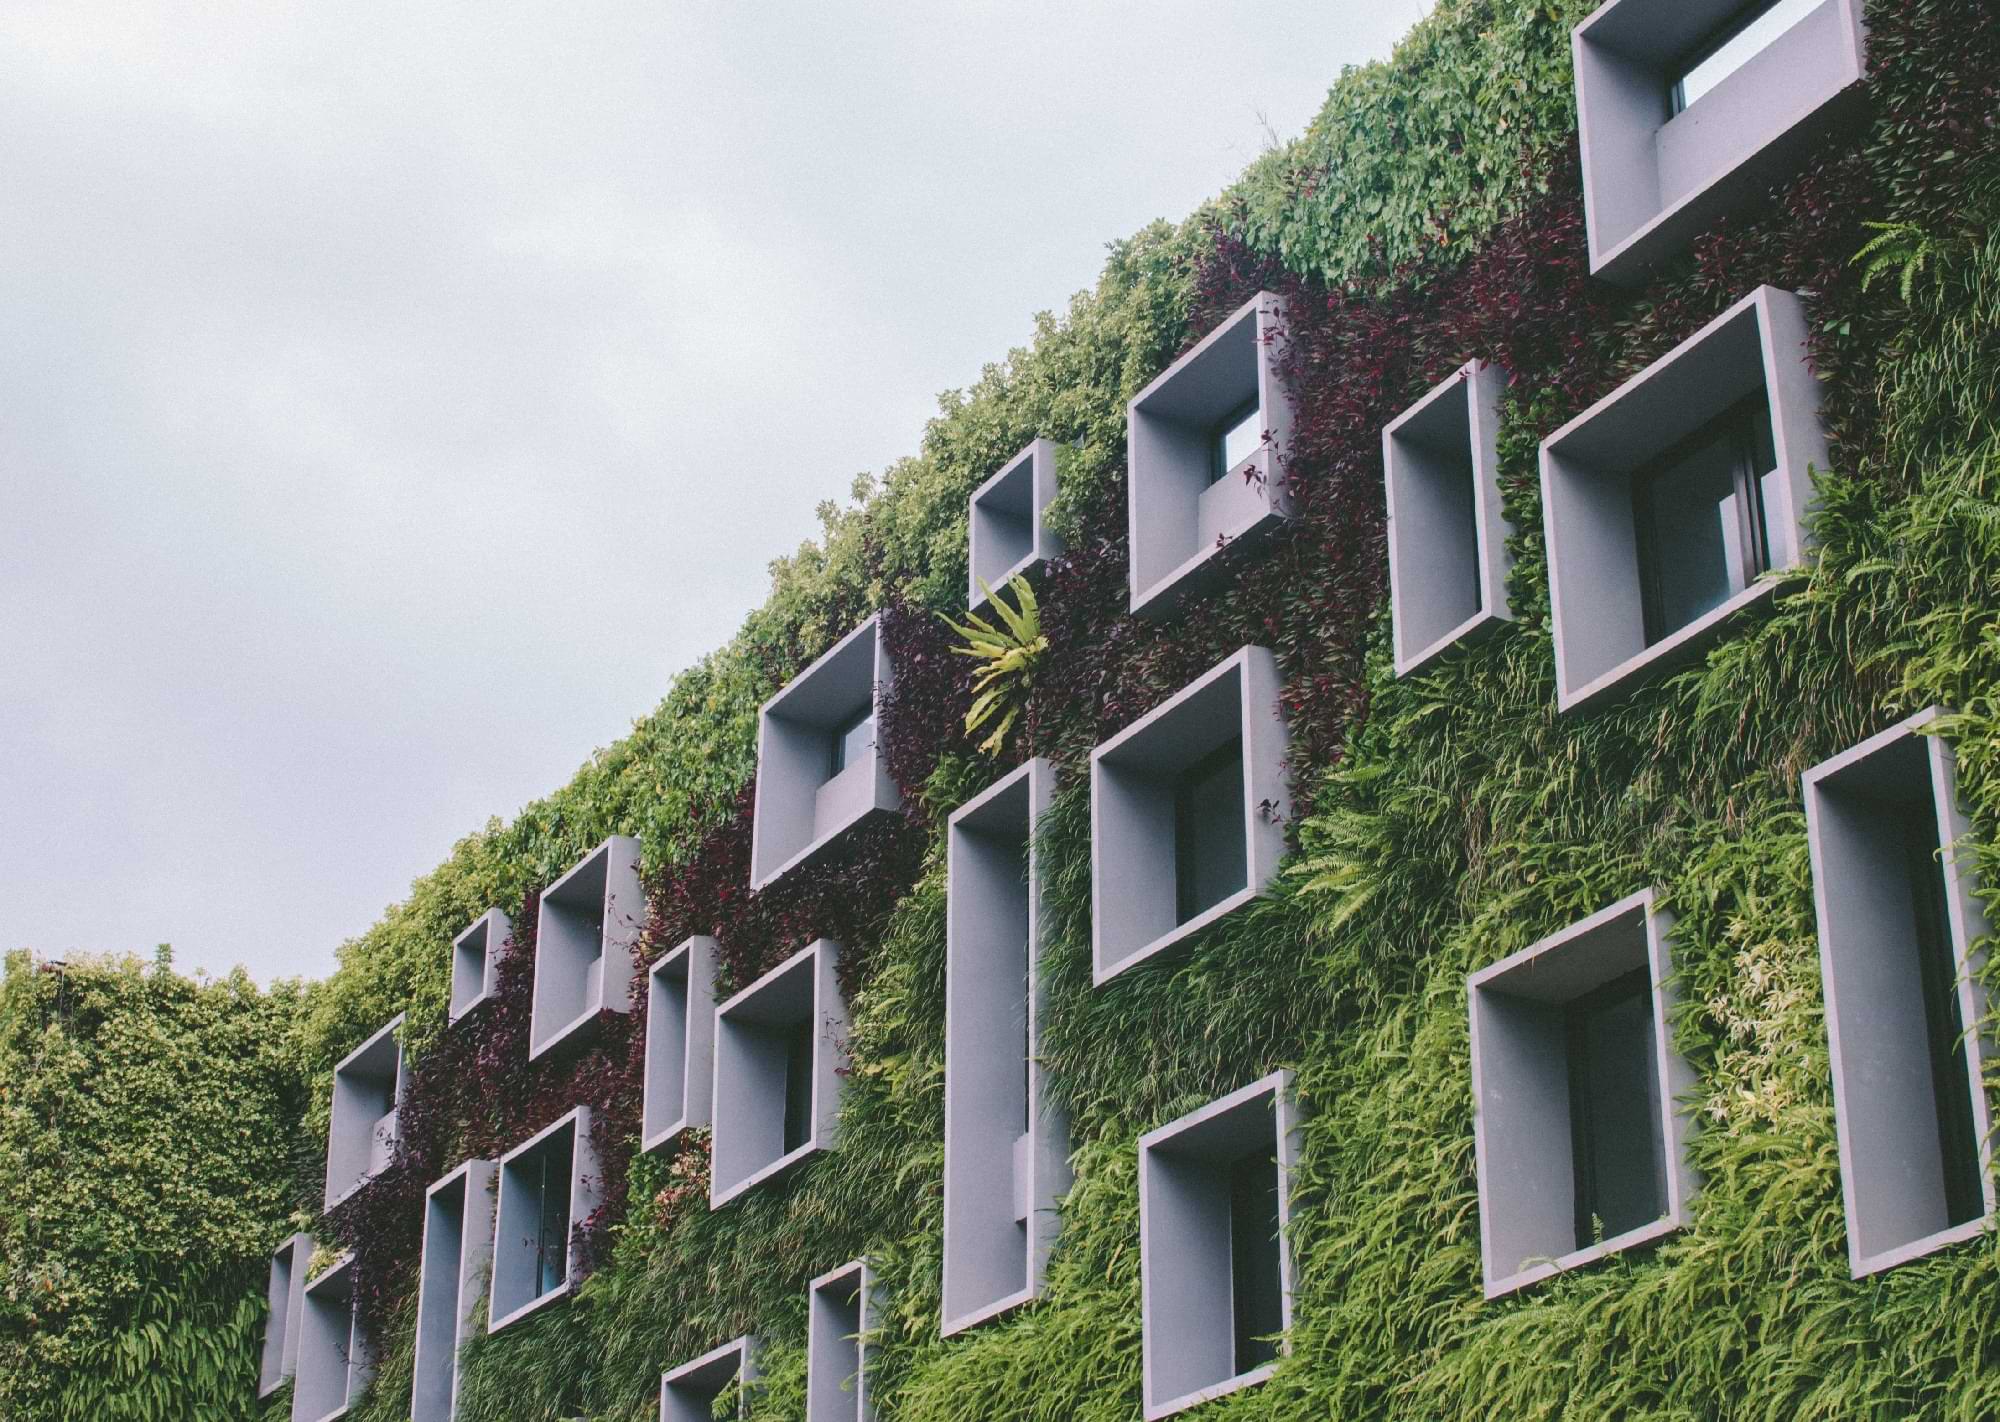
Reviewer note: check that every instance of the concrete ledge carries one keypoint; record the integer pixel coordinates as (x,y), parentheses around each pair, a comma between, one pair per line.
(680,1043)
(688,1393)
(793,822)
(361,1128)
(336,1356)
(517,1289)
(1186,1253)
(1181,517)
(475,961)
(840,1316)
(754,1034)
(284,1296)
(1522,1111)
(1448,560)
(1885,1096)
(1006,532)
(455,1260)
(587,944)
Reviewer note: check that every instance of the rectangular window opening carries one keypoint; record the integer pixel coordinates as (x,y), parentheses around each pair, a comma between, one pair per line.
(554,1164)
(1614,1101)
(1698,512)
(798,1085)
(1210,852)
(1741,38)
(1235,439)
(1937,969)
(1256,1286)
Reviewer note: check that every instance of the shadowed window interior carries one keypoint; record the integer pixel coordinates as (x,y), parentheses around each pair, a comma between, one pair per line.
(1937,971)
(1236,438)
(1211,857)
(1698,513)
(1256,1287)
(850,740)
(798,1084)
(550,1174)
(1734,44)
(1614,1105)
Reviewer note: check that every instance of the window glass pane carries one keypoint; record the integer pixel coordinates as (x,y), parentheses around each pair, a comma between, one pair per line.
(1695,513)
(1738,44)
(798,1085)
(1615,1110)
(851,740)
(1256,1286)
(1210,848)
(1236,439)
(552,1213)
(1937,971)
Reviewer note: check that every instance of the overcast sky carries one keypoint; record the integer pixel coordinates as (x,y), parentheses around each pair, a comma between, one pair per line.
(394,397)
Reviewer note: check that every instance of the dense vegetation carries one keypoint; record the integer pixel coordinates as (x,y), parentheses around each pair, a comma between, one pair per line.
(1429,215)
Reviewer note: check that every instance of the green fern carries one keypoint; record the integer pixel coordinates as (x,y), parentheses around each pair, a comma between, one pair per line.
(1901,247)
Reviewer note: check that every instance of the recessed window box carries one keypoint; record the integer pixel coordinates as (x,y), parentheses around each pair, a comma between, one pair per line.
(1203,455)
(819,770)
(689,1392)
(1689,110)
(549,1184)
(361,1129)
(475,961)
(1215,1261)
(452,1269)
(1007,533)
(1006,1148)
(780,1055)
(1666,502)
(1578,1140)
(587,944)
(1899,912)
(840,1316)
(285,1297)
(336,1356)
(1186,819)
(1447,536)
(680,1042)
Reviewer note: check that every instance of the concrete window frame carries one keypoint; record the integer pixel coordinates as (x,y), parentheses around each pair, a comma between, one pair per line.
(840,1317)
(368,1087)
(800,810)
(1595,596)
(587,932)
(1006,532)
(336,1355)
(1521,1114)
(284,1297)
(513,1294)
(1884,1097)
(1448,559)
(1187,1304)
(680,1043)
(455,1258)
(750,1070)
(475,961)
(1002,1184)
(1652,178)
(1132,821)
(688,1393)
(1181,516)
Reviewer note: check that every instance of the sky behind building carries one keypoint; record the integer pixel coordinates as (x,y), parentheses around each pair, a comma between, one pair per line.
(393,398)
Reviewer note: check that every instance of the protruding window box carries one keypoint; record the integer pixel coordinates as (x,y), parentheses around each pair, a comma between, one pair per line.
(780,1053)
(689,1392)
(1204,442)
(1689,110)
(1215,1260)
(1006,1148)
(680,1042)
(549,1184)
(840,1312)
(586,944)
(456,1259)
(336,1356)
(1186,822)
(361,1128)
(1666,502)
(475,961)
(1899,914)
(1007,533)
(1579,1143)
(820,771)
(1448,558)
(285,1297)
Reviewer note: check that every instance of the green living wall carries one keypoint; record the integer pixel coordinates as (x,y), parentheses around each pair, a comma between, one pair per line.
(1431,214)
